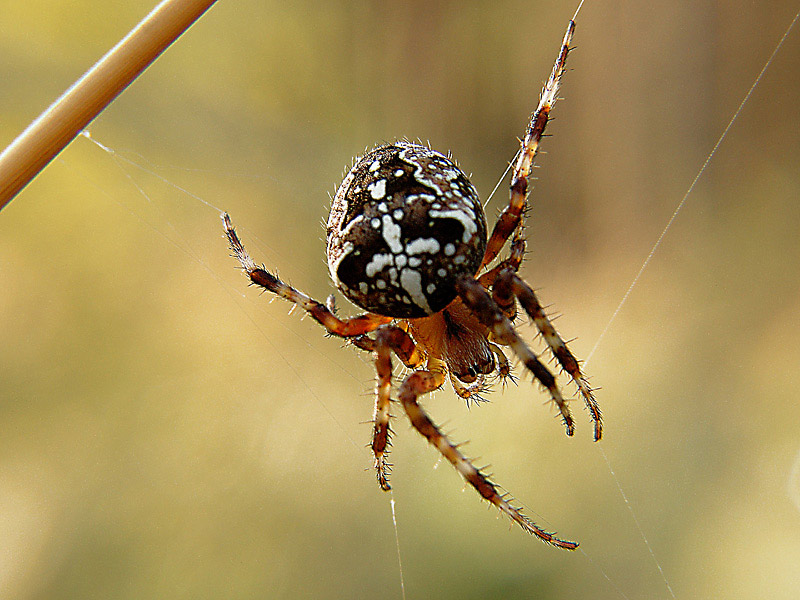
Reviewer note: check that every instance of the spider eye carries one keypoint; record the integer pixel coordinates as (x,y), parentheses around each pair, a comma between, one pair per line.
(404,225)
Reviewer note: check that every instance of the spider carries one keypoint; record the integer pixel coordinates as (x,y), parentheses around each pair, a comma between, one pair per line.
(407,242)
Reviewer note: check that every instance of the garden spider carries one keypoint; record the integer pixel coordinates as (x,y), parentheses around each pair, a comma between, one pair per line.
(406,240)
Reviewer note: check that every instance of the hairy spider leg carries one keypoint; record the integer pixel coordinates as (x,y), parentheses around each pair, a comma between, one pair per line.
(354,326)
(403,346)
(509,284)
(387,339)
(424,381)
(478,300)
(513,262)
(381,431)
(511,217)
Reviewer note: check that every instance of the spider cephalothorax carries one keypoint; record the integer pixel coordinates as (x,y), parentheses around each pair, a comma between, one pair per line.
(407,242)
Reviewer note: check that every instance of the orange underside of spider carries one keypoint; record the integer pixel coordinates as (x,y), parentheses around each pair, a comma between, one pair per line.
(464,341)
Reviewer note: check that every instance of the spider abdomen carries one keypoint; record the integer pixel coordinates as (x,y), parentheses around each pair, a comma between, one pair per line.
(404,225)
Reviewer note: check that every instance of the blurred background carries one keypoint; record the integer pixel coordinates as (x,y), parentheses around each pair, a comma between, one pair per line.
(166,432)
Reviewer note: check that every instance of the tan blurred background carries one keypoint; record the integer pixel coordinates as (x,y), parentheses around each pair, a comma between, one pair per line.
(165,432)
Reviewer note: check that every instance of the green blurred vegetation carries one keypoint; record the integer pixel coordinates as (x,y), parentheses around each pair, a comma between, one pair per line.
(166,432)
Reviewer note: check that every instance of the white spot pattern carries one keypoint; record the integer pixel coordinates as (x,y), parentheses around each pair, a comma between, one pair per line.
(378,262)
(411,281)
(391,233)
(420,245)
(377,189)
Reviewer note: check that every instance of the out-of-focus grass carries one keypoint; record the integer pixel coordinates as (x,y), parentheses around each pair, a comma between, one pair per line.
(166,432)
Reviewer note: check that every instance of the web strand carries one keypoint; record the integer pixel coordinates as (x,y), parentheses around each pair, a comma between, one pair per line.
(397,544)
(646,263)
(702,170)
(186,248)
(636,522)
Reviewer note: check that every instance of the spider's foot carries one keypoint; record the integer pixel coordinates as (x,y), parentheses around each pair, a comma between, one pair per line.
(558,400)
(488,490)
(382,471)
(570,366)
(587,392)
(546,536)
(380,449)
(566,417)
(381,442)
(523,521)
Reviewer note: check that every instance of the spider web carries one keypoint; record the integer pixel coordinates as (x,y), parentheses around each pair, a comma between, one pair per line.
(301,419)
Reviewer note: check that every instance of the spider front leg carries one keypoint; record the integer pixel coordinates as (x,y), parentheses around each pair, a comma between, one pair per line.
(511,217)
(509,285)
(422,382)
(478,300)
(352,327)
